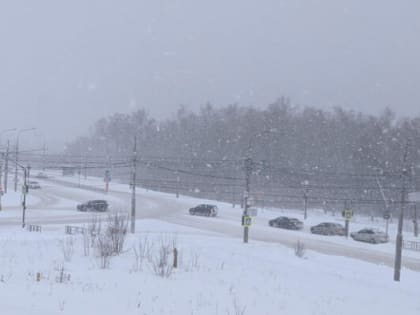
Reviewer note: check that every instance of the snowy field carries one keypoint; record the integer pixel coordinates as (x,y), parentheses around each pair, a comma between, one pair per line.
(215,275)
(54,273)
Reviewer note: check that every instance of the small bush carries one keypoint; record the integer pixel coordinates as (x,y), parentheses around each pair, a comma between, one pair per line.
(94,229)
(161,265)
(142,252)
(67,247)
(104,247)
(117,231)
(300,249)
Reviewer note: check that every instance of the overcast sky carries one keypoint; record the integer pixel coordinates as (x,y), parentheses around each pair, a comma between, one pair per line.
(64,64)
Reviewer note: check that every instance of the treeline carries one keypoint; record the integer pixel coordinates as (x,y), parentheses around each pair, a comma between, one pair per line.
(287,143)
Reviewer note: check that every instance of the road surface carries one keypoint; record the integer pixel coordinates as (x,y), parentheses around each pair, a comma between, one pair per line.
(58,200)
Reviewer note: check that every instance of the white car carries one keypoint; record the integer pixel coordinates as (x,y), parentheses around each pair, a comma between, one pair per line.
(368,235)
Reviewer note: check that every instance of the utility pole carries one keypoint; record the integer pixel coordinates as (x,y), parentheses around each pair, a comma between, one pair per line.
(416,225)
(44,156)
(80,167)
(133,187)
(6,167)
(108,173)
(1,189)
(17,153)
(16,163)
(347,215)
(24,192)
(85,168)
(177,184)
(305,199)
(107,179)
(399,239)
(245,217)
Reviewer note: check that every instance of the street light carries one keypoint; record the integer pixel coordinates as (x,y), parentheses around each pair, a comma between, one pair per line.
(17,153)
(6,131)
(6,158)
(246,219)
(305,184)
(44,149)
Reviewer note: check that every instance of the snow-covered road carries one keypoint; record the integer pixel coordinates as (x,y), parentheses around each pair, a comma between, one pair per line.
(57,200)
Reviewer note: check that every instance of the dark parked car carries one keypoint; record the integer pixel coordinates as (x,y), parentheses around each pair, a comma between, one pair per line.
(33,185)
(373,236)
(93,205)
(328,228)
(204,210)
(41,175)
(286,223)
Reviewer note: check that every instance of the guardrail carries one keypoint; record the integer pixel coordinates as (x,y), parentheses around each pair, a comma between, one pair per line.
(70,229)
(411,245)
(34,228)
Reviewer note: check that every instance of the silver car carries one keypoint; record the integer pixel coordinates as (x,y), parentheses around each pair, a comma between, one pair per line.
(373,236)
(328,228)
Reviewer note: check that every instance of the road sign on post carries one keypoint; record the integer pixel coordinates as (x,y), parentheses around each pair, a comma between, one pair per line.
(107,179)
(387,216)
(246,221)
(347,214)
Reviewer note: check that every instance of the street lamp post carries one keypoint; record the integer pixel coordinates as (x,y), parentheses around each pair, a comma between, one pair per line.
(6,131)
(305,198)
(399,239)
(44,150)
(6,158)
(17,153)
(246,219)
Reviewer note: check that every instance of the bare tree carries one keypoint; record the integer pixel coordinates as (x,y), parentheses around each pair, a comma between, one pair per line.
(117,231)
(142,252)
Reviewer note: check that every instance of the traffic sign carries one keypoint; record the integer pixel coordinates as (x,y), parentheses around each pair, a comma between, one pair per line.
(107,177)
(347,214)
(246,220)
(25,189)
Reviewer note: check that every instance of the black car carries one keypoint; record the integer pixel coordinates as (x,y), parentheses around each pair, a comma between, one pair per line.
(41,175)
(204,210)
(33,185)
(328,228)
(93,205)
(286,223)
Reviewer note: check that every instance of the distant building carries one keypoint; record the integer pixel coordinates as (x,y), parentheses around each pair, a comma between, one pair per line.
(68,170)
(414,197)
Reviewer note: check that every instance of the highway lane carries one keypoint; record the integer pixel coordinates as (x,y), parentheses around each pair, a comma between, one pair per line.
(172,210)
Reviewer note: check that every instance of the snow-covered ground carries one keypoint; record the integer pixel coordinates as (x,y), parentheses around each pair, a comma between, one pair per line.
(216,275)
(14,199)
